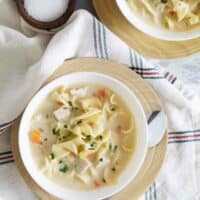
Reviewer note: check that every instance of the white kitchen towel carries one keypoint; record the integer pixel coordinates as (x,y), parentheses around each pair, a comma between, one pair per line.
(27,61)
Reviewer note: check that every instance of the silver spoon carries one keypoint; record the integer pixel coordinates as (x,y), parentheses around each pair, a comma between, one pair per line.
(157,124)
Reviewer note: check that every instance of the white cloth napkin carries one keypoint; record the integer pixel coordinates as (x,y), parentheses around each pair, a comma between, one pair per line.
(27,61)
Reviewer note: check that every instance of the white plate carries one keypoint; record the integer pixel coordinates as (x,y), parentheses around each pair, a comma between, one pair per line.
(155,31)
(138,156)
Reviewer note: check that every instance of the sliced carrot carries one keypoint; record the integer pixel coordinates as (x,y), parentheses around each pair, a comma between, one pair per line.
(173,13)
(60,103)
(97,184)
(101,93)
(36,137)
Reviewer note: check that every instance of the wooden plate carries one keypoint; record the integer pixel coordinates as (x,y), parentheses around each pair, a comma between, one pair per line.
(109,13)
(150,102)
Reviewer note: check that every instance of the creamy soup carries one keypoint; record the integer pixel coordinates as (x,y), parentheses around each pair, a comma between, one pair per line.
(178,15)
(82,137)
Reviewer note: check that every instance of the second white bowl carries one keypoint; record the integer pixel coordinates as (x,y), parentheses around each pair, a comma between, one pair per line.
(141,135)
(155,31)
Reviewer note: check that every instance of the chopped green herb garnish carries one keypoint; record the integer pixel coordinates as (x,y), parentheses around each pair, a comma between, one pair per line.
(87,138)
(101,159)
(163,1)
(56,131)
(93,144)
(47,116)
(70,103)
(60,161)
(110,147)
(45,139)
(65,126)
(68,136)
(115,148)
(113,107)
(52,156)
(72,106)
(101,137)
(64,168)
(104,180)
(113,169)
(65,107)
(79,122)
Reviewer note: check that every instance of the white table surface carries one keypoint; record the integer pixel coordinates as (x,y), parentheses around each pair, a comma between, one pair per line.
(187,69)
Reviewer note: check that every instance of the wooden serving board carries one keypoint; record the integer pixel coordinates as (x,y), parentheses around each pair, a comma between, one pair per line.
(111,16)
(150,102)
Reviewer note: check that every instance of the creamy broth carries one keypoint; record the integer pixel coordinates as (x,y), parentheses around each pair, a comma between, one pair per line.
(83,137)
(175,15)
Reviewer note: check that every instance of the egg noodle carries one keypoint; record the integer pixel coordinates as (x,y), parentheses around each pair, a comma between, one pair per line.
(171,14)
(83,135)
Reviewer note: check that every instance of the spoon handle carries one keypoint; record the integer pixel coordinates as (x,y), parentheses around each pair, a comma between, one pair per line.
(157,124)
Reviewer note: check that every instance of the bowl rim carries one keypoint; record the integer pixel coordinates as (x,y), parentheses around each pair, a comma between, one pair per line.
(42,182)
(154,31)
(45,25)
